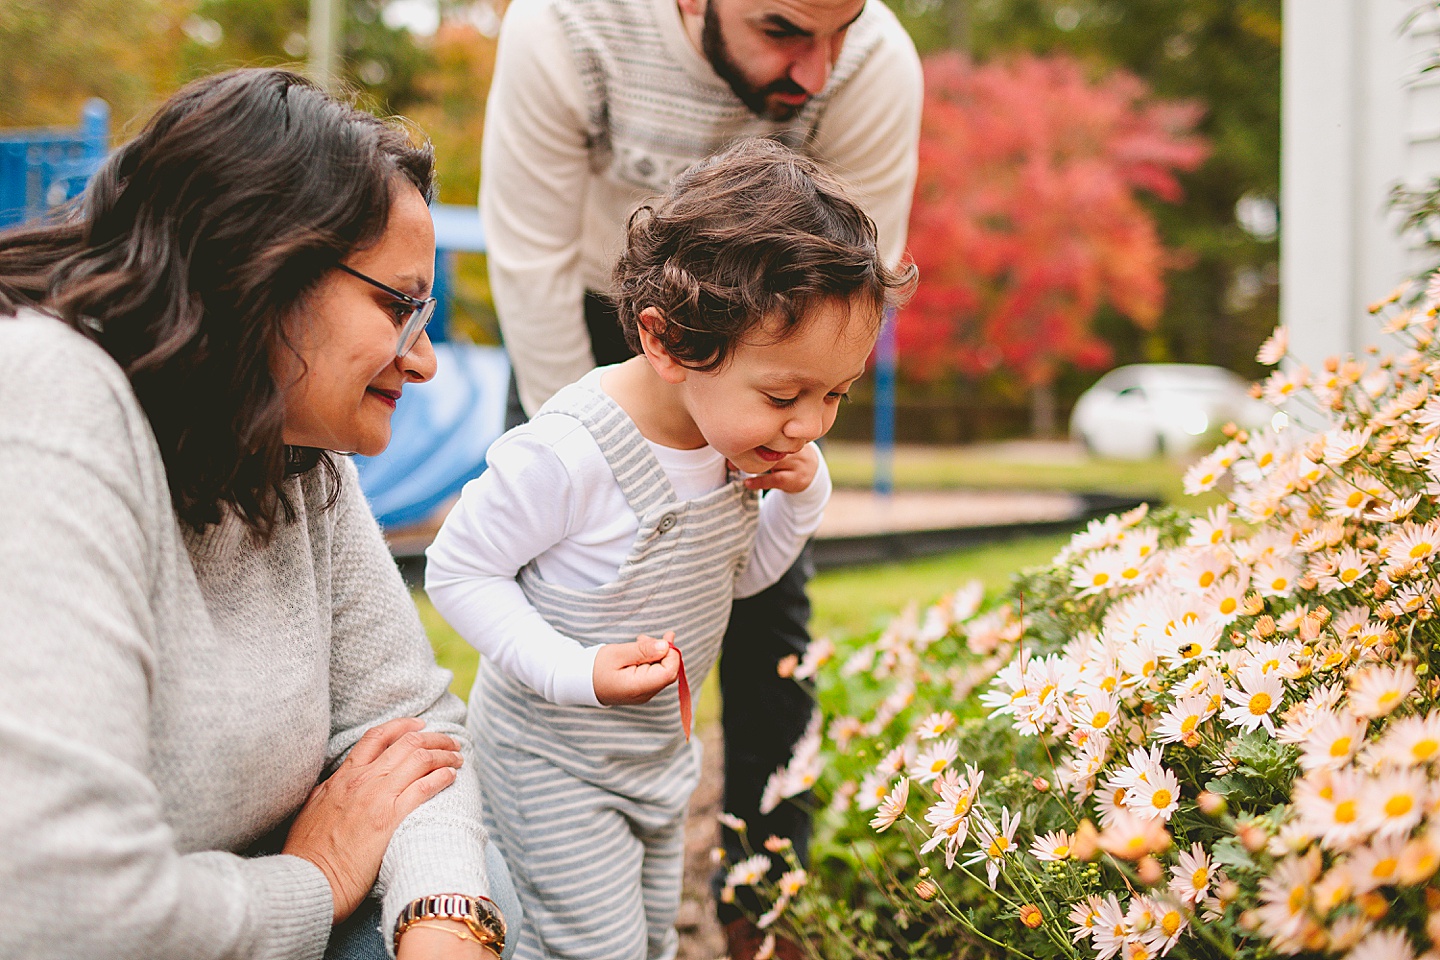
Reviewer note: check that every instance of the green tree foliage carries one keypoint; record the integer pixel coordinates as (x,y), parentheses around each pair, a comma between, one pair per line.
(1225,54)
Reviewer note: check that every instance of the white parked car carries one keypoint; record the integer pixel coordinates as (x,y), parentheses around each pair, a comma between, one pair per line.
(1149,409)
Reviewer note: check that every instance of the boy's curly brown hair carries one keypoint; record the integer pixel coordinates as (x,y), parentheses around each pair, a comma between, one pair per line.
(756,234)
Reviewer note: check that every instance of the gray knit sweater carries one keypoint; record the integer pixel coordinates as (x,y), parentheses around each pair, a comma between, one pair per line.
(168,699)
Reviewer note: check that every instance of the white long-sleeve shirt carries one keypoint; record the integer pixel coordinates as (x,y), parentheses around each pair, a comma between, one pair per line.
(595,107)
(549,496)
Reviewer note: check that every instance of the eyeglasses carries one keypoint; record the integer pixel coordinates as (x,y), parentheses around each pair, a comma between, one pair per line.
(420,313)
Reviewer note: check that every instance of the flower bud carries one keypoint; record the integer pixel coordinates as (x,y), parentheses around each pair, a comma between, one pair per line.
(1031,916)
(1252,836)
(1150,871)
(927,890)
(1041,784)
(1085,844)
(1211,804)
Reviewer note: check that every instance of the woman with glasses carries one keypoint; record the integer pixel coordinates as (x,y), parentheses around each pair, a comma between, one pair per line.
(222,731)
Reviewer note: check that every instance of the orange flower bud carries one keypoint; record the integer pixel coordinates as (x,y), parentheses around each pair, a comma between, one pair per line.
(1031,916)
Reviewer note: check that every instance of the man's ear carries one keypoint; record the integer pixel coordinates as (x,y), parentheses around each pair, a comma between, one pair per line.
(665,366)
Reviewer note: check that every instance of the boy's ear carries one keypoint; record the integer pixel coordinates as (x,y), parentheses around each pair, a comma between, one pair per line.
(693,8)
(667,367)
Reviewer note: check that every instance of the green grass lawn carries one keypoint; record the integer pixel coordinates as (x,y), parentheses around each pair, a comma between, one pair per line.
(1001,466)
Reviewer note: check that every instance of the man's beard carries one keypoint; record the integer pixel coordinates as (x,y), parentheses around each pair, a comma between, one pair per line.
(712,42)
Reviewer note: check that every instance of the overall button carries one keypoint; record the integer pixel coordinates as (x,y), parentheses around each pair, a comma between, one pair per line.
(667,523)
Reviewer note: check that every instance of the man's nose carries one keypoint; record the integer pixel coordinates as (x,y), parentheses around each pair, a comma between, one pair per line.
(811,71)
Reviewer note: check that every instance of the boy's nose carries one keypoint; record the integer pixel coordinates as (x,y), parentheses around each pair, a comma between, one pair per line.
(807,424)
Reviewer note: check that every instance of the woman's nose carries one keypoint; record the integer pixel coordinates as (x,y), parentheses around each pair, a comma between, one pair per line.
(419,364)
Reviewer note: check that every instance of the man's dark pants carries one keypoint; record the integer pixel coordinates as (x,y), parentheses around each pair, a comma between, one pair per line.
(762,713)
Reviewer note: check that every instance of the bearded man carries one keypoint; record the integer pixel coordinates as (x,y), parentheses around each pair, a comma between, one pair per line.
(595,106)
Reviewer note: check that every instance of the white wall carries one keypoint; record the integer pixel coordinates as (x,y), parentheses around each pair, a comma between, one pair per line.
(1357,118)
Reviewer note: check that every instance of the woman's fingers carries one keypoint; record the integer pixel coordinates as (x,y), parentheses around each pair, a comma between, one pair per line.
(420,763)
(378,738)
(423,789)
(408,744)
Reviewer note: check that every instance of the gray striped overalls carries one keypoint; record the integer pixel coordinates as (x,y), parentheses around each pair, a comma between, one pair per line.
(588,804)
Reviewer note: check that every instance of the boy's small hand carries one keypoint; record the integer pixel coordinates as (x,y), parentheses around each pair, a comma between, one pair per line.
(631,673)
(791,475)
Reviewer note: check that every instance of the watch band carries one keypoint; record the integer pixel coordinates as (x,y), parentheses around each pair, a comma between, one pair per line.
(479,914)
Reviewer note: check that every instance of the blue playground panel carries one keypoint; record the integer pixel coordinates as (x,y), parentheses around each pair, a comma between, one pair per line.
(43,167)
(441,429)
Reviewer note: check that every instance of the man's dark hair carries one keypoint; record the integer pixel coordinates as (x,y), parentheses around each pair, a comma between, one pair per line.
(753,236)
(194,248)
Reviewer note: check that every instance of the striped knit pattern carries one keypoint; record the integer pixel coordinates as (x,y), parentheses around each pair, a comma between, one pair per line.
(588,804)
(648,118)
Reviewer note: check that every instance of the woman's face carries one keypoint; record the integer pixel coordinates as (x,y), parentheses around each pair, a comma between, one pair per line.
(340,390)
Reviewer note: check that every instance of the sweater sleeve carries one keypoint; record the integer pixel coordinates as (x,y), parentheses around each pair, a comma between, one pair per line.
(382,667)
(870,131)
(787,522)
(513,512)
(535,167)
(88,865)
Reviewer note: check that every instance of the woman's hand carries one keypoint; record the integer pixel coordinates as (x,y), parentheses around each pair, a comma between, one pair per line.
(346,824)
(441,940)
(630,673)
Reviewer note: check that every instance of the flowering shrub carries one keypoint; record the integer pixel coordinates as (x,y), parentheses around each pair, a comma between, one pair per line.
(1198,736)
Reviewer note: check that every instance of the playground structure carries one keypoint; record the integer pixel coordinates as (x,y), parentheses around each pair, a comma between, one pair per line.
(441,428)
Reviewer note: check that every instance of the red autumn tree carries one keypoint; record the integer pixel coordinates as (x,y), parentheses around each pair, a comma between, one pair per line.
(1028,215)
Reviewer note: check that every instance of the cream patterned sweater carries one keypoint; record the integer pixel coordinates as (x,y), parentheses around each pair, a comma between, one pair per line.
(169,699)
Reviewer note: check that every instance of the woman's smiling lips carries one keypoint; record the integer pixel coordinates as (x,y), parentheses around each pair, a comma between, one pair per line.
(389,397)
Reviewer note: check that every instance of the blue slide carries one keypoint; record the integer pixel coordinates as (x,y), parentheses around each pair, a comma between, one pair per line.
(440,432)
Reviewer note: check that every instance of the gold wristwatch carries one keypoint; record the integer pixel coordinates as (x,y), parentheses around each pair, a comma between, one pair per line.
(479,914)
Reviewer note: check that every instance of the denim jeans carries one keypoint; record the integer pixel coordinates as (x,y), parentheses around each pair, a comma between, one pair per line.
(359,937)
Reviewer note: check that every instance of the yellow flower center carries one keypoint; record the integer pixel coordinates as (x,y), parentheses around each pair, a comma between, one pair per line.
(1062,851)
(1345,811)
(1298,896)
(1100,719)
(1419,551)
(1424,749)
(1207,578)
(1160,799)
(1385,869)
(1100,578)
(1260,704)
(1388,698)
(1119,796)
(1399,805)
(1200,878)
(938,764)
(1279,583)
(1170,923)
(1349,575)
(1108,684)
(1190,650)
(1228,605)
(1130,573)
(1340,747)
(1355,499)
(1189,724)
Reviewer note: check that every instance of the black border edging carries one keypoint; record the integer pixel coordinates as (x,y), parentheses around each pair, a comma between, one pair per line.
(833,553)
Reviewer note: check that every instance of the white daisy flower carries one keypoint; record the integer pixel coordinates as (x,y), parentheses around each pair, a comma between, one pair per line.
(1191,876)
(1157,795)
(1328,807)
(1389,944)
(932,760)
(936,725)
(1410,741)
(1376,691)
(1054,845)
(1181,723)
(1275,577)
(1393,803)
(892,807)
(748,872)
(1272,351)
(1331,740)
(1375,865)
(1258,697)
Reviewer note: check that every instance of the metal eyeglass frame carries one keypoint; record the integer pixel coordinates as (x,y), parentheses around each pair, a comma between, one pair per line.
(414,324)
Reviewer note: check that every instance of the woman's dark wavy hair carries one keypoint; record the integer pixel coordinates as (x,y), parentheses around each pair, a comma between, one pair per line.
(195,245)
(753,235)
